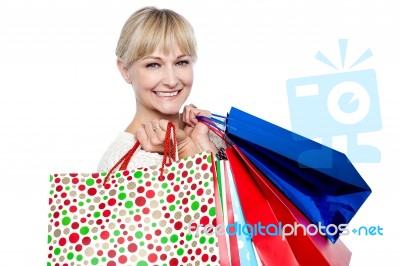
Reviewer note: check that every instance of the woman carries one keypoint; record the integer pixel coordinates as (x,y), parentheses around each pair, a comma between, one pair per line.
(155,55)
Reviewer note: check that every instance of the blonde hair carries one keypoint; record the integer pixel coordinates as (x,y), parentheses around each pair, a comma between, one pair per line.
(149,27)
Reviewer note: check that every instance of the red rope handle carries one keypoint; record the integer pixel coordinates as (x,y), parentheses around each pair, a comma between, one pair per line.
(170,145)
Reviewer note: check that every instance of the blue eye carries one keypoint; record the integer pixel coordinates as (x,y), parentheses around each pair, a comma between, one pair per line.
(153,65)
(183,63)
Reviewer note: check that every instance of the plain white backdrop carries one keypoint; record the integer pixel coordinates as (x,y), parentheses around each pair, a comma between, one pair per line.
(62,100)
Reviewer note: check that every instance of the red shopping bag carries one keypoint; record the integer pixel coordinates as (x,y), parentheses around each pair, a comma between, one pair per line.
(264,205)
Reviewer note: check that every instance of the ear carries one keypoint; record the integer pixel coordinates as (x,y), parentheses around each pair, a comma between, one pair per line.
(123,70)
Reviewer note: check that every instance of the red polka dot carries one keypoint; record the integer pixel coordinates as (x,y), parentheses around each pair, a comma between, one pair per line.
(178,225)
(152,258)
(67,202)
(132,247)
(213,258)
(102,205)
(57,180)
(73,174)
(111,202)
(62,241)
(104,235)
(75,181)
(137,218)
(176,188)
(193,186)
(204,258)
(122,259)
(92,191)
(185,259)
(86,240)
(140,201)
(106,213)
(198,251)
(171,198)
(171,176)
(56,214)
(204,167)
(148,184)
(150,194)
(95,175)
(111,263)
(63,195)
(148,236)
(73,238)
(198,160)
(157,232)
(111,253)
(78,247)
(146,210)
(204,208)
(100,253)
(173,262)
(81,187)
(121,240)
(125,173)
(163,256)
(205,220)
(184,173)
(180,166)
(99,221)
(140,189)
(59,188)
(190,179)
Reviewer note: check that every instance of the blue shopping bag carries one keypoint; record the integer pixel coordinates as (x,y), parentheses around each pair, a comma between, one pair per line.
(319,180)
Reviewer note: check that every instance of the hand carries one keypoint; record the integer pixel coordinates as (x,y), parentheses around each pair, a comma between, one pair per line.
(151,137)
(197,131)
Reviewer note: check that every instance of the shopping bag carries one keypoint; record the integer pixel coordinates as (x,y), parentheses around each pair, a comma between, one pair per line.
(137,216)
(319,180)
(307,245)
(235,227)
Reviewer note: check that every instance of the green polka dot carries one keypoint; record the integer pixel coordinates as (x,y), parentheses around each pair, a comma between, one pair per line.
(161,201)
(64,212)
(206,184)
(49,239)
(103,173)
(70,256)
(180,251)
(154,225)
(96,214)
(202,240)
(140,181)
(171,208)
(192,172)
(88,200)
(173,238)
(67,188)
(168,191)
(51,178)
(121,250)
(138,235)
(173,168)
(131,212)
(128,204)
(90,182)
(209,159)
(95,261)
(211,240)
(79,257)
(178,179)
(112,240)
(164,185)
(95,237)
(192,197)
(164,239)
(211,212)
(178,202)
(81,203)
(51,192)
(122,196)
(114,216)
(138,174)
(48,264)
(105,198)
(57,251)
(66,220)
(195,205)
(121,188)
(103,259)
(142,263)
(84,230)
(189,237)
(141,243)
(117,232)
(118,175)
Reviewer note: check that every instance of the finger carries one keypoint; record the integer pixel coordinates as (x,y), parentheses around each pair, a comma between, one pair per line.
(152,135)
(158,129)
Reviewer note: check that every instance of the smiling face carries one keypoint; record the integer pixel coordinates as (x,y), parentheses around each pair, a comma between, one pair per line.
(161,82)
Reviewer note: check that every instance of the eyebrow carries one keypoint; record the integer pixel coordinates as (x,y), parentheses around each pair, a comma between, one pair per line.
(159,58)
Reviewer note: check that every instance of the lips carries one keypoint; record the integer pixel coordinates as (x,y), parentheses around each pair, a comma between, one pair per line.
(166,93)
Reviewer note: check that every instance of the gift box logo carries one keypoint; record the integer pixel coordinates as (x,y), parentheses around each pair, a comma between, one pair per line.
(344,103)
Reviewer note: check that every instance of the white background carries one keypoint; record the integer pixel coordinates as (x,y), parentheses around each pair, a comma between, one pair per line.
(62,100)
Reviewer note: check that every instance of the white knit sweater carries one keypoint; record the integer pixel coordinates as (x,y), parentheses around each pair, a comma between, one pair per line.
(125,141)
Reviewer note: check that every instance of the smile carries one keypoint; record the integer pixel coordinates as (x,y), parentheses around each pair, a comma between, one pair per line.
(167,94)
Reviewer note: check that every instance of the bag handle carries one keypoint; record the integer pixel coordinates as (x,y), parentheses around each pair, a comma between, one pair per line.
(170,153)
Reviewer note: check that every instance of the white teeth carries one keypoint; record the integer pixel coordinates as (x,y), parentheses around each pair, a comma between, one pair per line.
(166,94)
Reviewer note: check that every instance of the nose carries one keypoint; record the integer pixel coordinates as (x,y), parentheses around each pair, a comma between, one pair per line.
(170,78)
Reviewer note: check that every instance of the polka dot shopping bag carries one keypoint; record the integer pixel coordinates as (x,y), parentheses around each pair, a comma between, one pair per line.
(138,217)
